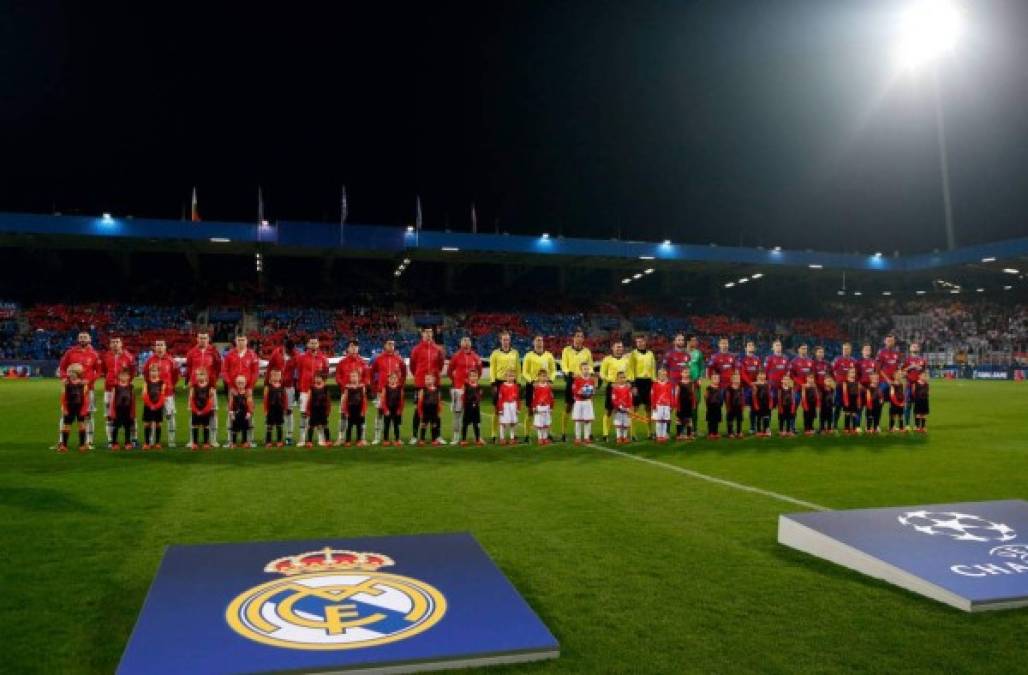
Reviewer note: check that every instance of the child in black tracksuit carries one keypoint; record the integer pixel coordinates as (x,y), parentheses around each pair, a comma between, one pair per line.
(74,408)
(735,403)
(810,399)
(897,401)
(713,397)
(201,407)
(851,392)
(760,410)
(319,406)
(827,424)
(919,399)
(786,408)
(390,407)
(355,404)
(274,409)
(472,409)
(686,398)
(428,411)
(123,409)
(874,401)
(240,412)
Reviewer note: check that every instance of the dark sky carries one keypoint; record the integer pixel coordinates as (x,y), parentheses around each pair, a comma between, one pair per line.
(771,122)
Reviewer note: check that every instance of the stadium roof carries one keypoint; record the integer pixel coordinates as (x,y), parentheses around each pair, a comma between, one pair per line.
(316,238)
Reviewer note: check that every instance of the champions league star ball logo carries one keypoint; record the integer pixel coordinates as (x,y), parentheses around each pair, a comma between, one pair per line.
(331,600)
(959,526)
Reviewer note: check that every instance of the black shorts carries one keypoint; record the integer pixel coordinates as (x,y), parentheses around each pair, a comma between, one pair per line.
(569,398)
(199,420)
(496,394)
(643,385)
(151,415)
(275,417)
(318,418)
(529,390)
(608,403)
(72,418)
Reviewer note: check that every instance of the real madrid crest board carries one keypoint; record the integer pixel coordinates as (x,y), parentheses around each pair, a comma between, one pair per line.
(382,604)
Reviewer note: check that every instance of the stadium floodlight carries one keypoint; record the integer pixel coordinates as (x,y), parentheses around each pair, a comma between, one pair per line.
(265,223)
(730,284)
(777,249)
(744,280)
(637,275)
(219,240)
(1007,288)
(878,255)
(410,229)
(840,292)
(1011,270)
(920,292)
(546,235)
(648,270)
(758,275)
(886,292)
(980,290)
(667,242)
(406,261)
(451,249)
(928,30)
(646,257)
(857,293)
(107,217)
(815,266)
(626,281)
(988,260)
(955,291)
(397,273)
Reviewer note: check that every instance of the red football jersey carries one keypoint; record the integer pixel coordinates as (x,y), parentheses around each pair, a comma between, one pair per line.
(461,363)
(800,367)
(621,396)
(209,359)
(888,362)
(583,388)
(776,366)
(542,394)
(841,365)
(914,366)
(112,364)
(425,358)
(509,393)
(308,365)
(247,364)
(285,362)
(723,364)
(383,366)
(821,370)
(662,393)
(167,368)
(349,364)
(748,366)
(88,358)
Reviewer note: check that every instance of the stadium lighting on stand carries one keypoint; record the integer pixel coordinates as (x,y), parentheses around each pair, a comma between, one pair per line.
(990,259)
(1011,270)
(929,30)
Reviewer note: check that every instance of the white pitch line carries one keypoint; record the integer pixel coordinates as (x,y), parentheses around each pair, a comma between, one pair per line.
(712,479)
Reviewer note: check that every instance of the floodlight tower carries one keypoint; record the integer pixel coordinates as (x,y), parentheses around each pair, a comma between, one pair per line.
(929,30)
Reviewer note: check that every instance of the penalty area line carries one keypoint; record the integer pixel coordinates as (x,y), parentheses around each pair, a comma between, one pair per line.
(712,479)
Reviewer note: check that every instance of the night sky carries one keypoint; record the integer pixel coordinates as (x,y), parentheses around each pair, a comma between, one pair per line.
(772,122)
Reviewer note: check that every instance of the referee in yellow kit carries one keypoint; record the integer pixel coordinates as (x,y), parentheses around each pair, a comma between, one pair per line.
(534,363)
(644,366)
(502,359)
(571,360)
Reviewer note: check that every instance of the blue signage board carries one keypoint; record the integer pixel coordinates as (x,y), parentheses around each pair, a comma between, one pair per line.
(384,604)
(972,555)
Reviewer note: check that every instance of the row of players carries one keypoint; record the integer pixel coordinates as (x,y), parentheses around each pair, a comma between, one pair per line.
(823,391)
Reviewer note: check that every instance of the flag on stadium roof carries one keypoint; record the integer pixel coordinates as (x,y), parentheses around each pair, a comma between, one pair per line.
(195,210)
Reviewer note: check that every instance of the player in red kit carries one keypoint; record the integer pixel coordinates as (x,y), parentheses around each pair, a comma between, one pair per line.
(427,358)
(351,363)
(204,356)
(463,361)
(387,363)
(800,366)
(312,362)
(283,359)
(866,367)
(84,355)
(776,366)
(113,361)
(676,360)
(840,368)
(914,366)
(748,365)
(887,363)
(242,362)
(821,367)
(722,363)
(168,371)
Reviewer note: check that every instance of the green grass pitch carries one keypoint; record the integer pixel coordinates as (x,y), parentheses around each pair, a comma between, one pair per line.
(635,568)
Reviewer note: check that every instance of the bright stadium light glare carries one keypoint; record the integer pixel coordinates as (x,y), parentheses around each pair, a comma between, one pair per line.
(646,257)
(988,260)
(450,249)
(928,30)
(857,293)
(955,291)
(667,242)
(546,235)
(920,292)
(1011,270)
(648,270)
(626,281)
(406,261)
(840,292)
(107,217)
(815,266)
(744,280)
(637,275)
(410,228)
(758,275)
(886,292)
(730,284)
(397,273)
(219,240)
(1007,288)
(878,255)
(980,290)
(776,249)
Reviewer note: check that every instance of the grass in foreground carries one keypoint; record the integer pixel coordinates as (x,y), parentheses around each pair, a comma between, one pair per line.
(633,567)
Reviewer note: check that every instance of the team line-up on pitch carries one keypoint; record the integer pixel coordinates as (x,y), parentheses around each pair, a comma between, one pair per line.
(801,390)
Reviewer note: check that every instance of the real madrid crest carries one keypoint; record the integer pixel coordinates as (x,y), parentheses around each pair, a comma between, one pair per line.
(334,599)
